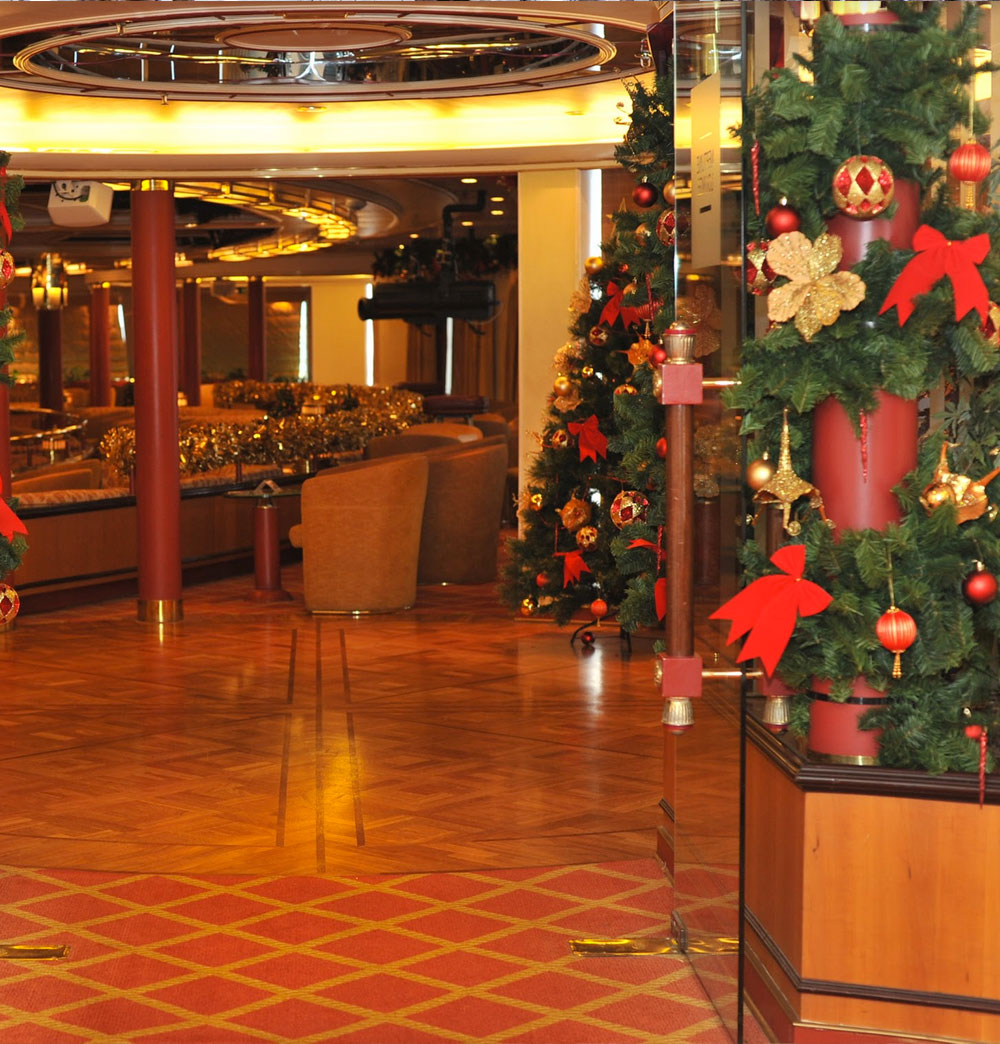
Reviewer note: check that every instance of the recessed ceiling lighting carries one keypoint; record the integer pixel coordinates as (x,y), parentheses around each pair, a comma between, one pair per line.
(470,181)
(467,224)
(414,235)
(496,199)
(497,213)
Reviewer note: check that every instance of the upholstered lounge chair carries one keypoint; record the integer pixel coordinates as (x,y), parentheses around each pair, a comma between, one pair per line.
(460,535)
(360,535)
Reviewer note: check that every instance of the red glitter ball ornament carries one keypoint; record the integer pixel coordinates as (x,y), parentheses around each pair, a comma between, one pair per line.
(782,219)
(980,587)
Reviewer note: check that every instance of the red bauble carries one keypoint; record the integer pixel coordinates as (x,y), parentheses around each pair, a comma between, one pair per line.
(587,637)
(542,579)
(598,608)
(973,731)
(980,587)
(782,219)
(657,356)
(897,631)
(970,162)
(644,194)
(661,448)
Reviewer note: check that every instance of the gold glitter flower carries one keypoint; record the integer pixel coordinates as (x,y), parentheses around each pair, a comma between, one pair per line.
(816,294)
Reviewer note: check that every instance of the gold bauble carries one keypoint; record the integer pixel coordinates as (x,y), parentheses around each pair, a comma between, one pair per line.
(657,382)
(586,538)
(562,385)
(670,192)
(528,607)
(760,472)
(535,500)
(593,265)
(936,494)
(587,371)
(575,513)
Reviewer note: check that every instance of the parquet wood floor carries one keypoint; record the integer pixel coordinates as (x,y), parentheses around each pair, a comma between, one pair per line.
(257,739)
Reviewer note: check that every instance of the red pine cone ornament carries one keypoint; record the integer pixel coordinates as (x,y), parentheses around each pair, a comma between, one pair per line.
(863,186)
(897,631)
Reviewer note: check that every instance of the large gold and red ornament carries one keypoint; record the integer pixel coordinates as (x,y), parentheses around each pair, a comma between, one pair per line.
(599,335)
(759,274)
(644,194)
(969,164)
(528,607)
(10,604)
(666,228)
(586,538)
(626,389)
(991,326)
(628,507)
(7,269)
(863,187)
(967,495)
(781,219)
(575,513)
(897,631)
(980,586)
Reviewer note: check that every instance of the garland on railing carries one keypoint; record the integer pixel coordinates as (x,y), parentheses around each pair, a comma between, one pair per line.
(470,258)
(282,398)
(271,440)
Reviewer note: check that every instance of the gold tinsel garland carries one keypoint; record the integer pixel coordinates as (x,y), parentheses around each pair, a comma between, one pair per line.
(281,440)
(277,397)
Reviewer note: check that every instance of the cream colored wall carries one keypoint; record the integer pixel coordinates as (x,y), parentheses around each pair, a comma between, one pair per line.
(552,246)
(337,332)
(391,338)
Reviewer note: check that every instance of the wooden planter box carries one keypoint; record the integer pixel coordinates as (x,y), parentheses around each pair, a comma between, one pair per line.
(872,901)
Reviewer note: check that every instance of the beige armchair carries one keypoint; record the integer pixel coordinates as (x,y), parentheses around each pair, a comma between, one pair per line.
(460,536)
(360,535)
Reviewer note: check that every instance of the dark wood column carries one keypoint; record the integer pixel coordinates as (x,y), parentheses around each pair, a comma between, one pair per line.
(100,345)
(157,471)
(257,330)
(50,376)
(191,341)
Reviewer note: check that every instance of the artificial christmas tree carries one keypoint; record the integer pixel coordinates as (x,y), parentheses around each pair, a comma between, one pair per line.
(879,362)
(586,492)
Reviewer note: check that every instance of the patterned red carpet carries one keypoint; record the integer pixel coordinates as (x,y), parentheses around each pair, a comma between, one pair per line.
(396,959)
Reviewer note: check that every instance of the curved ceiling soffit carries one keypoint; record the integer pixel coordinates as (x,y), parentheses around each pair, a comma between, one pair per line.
(317,51)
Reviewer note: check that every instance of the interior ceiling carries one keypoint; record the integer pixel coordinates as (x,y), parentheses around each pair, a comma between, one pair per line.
(375,107)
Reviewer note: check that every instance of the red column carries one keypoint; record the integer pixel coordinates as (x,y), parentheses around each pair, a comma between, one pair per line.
(191,340)
(50,378)
(100,345)
(257,333)
(157,471)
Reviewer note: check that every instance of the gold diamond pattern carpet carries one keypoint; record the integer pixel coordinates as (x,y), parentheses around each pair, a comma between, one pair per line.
(391,959)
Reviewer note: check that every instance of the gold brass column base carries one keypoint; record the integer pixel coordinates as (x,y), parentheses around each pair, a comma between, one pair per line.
(654,944)
(160,610)
(11,952)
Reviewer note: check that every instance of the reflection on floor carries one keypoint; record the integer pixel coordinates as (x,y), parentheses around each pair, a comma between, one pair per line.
(255,739)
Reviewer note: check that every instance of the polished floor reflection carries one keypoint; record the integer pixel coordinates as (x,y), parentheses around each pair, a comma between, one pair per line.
(256,738)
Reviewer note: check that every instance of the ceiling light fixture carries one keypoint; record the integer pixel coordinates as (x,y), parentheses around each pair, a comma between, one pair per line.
(49,289)
(470,181)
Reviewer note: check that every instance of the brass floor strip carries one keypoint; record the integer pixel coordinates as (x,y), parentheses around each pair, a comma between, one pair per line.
(652,945)
(32,953)
(320,780)
(352,747)
(286,748)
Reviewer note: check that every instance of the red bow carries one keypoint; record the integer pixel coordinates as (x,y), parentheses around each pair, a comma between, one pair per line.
(573,566)
(660,587)
(9,522)
(589,438)
(938,257)
(614,308)
(770,606)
